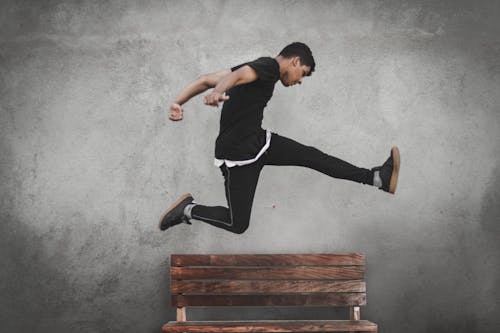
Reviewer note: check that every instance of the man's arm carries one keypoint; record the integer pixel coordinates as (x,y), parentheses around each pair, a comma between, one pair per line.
(242,75)
(201,84)
(222,81)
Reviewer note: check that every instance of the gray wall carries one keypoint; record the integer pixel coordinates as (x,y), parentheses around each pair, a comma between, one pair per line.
(88,159)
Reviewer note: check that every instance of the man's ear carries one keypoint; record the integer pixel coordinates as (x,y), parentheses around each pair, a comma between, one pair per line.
(296,61)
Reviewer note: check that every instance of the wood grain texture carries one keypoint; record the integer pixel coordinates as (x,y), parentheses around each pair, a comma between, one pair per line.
(265,286)
(269,280)
(272,326)
(352,259)
(320,299)
(269,273)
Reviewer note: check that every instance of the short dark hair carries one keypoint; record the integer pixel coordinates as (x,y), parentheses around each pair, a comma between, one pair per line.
(301,50)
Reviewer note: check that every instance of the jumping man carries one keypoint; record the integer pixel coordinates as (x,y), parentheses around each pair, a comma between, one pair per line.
(243,148)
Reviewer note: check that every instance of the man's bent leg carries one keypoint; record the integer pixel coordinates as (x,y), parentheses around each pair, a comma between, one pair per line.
(240,183)
(285,151)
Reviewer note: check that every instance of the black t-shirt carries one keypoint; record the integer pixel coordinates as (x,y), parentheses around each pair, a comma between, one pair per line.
(241,136)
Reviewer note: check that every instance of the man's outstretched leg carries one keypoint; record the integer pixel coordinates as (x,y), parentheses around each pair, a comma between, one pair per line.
(240,183)
(285,151)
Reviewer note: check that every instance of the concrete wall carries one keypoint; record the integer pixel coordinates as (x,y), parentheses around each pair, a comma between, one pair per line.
(88,159)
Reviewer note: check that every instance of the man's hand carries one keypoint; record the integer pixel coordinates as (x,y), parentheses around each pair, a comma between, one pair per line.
(214,98)
(175,112)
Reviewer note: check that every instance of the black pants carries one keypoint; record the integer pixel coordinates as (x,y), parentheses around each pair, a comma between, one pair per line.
(241,181)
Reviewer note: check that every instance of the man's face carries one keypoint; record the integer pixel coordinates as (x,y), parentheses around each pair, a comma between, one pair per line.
(294,73)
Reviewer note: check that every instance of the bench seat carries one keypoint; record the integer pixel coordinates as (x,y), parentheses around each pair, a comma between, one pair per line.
(271,326)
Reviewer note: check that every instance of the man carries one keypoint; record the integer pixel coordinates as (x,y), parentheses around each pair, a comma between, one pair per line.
(243,147)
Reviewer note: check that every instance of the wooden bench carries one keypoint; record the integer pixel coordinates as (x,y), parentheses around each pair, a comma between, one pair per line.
(268,280)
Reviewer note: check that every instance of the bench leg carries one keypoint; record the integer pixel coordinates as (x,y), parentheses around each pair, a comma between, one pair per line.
(181,314)
(354,314)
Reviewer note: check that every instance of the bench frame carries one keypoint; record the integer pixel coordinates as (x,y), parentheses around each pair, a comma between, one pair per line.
(269,280)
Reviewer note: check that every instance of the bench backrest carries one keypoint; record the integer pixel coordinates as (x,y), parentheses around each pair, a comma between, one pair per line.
(268,280)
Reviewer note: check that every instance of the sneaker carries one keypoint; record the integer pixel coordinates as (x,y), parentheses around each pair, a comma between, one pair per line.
(174,215)
(389,171)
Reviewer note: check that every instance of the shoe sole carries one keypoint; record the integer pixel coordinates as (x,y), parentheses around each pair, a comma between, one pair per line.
(395,170)
(175,204)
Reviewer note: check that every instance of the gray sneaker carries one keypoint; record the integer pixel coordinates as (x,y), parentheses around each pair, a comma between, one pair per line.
(389,171)
(174,215)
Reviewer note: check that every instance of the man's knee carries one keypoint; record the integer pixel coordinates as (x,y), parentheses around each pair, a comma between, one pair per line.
(240,225)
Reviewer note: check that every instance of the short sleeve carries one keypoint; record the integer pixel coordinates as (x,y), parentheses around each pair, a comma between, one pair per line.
(267,68)
(236,67)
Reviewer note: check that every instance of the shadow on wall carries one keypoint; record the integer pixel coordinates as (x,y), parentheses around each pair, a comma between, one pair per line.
(490,207)
(34,289)
(41,293)
(490,223)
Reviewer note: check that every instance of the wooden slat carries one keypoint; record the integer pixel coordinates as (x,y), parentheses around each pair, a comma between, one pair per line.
(323,299)
(257,287)
(272,326)
(353,259)
(266,273)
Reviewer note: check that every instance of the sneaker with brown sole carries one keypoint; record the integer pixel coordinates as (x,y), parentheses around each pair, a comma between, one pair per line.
(389,171)
(174,215)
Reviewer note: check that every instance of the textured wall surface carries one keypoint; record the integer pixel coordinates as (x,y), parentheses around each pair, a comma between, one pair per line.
(89,160)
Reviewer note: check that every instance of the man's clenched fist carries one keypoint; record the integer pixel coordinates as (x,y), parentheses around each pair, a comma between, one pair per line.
(214,98)
(175,112)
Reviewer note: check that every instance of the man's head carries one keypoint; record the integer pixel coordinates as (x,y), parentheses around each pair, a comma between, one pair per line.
(296,61)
